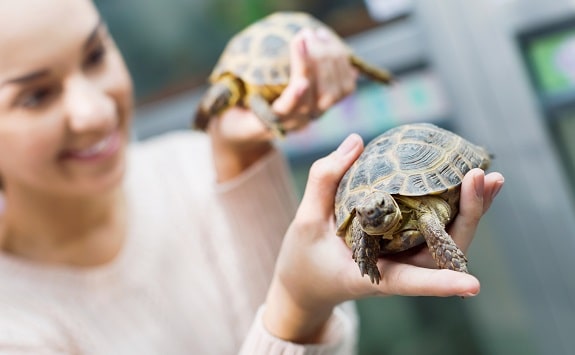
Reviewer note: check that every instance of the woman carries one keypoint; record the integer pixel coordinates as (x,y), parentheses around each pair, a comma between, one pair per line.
(168,246)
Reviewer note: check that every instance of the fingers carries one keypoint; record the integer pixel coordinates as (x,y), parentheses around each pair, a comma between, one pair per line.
(336,77)
(470,208)
(477,194)
(300,64)
(493,184)
(239,125)
(324,177)
(409,280)
(320,76)
(298,92)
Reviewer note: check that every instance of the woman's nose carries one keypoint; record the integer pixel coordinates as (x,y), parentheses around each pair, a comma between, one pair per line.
(88,106)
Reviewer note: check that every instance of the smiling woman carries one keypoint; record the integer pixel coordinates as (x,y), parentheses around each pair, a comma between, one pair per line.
(169,246)
(68,100)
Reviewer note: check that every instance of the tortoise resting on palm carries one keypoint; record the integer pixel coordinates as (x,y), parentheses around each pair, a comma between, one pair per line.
(253,69)
(402,191)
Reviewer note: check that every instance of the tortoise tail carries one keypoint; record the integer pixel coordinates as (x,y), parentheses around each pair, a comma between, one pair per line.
(374,73)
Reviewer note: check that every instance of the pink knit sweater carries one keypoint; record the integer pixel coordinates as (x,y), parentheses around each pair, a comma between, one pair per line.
(191,278)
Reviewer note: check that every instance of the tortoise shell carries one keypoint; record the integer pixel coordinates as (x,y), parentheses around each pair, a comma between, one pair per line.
(409,160)
(259,54)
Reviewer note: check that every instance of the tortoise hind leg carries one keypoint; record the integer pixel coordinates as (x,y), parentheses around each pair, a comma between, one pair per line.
(262,109)
(442,247)
(370,71)
(365,251)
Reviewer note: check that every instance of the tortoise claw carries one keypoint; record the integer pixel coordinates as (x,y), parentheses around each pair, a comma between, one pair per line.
(365,251)
(371,270)
(449,256)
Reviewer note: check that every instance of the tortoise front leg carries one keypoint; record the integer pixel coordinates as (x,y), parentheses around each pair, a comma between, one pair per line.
(221,95)
(442,247)
(262,109)
(365,251)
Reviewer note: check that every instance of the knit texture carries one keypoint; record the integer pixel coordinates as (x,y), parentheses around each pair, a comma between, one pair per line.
(192,274)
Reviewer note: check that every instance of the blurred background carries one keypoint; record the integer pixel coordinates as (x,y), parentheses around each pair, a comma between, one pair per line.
(499,72)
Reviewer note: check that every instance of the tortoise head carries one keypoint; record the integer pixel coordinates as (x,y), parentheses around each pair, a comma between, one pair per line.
(221,95)
(378,213)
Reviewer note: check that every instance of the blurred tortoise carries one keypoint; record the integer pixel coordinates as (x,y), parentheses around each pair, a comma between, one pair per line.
(253,69)
(402,191)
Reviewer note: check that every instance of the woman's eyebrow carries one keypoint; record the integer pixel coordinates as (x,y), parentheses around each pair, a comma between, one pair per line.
(37,74)
(94,34)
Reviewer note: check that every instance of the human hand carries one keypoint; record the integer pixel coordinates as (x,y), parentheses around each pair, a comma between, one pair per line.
(320,76)
(315,270)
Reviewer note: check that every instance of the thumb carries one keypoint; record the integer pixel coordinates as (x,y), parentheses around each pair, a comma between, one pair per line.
(300,68)
(324,177)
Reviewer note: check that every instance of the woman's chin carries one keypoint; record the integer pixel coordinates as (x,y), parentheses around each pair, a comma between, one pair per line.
(95,185)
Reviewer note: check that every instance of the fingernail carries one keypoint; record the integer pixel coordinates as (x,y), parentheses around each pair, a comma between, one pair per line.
(468,294)
(478,181)
(302,48)
(348,144)
(497,188)
(308,34)
(322,33)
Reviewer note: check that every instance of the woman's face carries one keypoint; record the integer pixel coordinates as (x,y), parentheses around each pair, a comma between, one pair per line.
(65,99)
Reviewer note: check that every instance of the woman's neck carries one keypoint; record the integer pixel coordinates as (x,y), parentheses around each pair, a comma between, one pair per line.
(73,231)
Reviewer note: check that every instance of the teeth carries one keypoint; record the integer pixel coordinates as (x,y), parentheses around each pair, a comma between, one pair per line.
(95,149)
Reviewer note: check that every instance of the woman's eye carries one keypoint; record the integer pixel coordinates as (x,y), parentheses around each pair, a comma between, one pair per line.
(36,98)
(95,56)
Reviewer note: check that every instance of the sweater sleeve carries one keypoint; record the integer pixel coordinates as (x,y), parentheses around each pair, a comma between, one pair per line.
(258,207)
(268,183)
(339,337)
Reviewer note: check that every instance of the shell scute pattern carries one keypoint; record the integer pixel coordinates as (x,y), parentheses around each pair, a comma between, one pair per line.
(272,46)
(415,184)
(381,168)
(393,185)
(434,181)
(459,162)
(359,180)
(451,176)
(416,157)
(259,54)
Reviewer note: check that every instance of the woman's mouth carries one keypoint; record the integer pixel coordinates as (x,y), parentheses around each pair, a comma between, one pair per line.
(102,149)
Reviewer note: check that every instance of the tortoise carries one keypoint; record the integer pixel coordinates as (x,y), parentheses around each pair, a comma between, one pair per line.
(402,191)
(253,69)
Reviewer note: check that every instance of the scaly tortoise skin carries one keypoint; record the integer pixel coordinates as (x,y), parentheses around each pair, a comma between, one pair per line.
(253,69)
(402,191)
